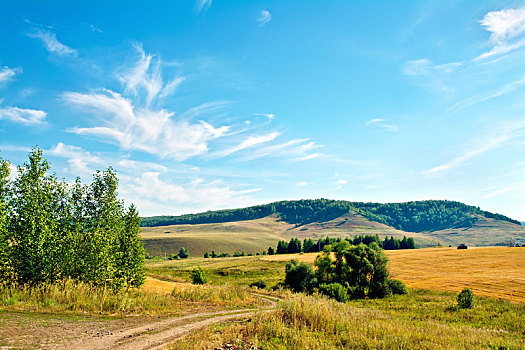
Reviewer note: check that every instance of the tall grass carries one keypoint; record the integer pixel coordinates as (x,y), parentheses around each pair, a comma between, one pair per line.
(314,322)
(78,297)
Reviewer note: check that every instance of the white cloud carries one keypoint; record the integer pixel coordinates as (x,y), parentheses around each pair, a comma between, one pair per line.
(381,123)
(95,29)
(23,116)
(504,190)
(51,43)
(203,5)
(248,143)
(473,100)
(270,116)
(264,17)
(506,29)
(7,73)
(301,184)
(155,132)
(341,182)
(146,75)
(425,67)
(153,195)
(497,139)
(309,157)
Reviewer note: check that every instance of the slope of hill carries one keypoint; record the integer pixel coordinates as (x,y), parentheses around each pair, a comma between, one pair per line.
(254,229)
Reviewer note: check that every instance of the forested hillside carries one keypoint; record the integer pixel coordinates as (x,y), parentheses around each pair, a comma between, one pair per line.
(414,216)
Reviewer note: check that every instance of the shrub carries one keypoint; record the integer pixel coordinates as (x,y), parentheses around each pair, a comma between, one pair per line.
(397,287)
(466,299)
(300,277)
(259,284)
(335,291)
(198,276)
(183,253)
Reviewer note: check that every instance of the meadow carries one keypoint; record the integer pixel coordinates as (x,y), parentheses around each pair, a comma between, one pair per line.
(495,272)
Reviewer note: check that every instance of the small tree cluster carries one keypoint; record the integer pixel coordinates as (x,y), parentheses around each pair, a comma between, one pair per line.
(50,230)
(357,272)
(309,246)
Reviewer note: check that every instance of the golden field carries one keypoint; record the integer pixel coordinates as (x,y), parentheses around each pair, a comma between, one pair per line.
(497,272)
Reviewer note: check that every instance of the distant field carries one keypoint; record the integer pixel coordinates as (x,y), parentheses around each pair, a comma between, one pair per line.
(496,272)
(254,236)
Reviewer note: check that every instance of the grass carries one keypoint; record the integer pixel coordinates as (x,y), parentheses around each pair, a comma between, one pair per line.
(221,271)
(254,236)
(420,320)
(493,272)
(156,298)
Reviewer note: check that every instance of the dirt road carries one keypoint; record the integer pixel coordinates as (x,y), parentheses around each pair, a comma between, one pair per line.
(158,334)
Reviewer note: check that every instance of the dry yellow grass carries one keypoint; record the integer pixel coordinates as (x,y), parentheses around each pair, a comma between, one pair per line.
(497,272)
(153,285)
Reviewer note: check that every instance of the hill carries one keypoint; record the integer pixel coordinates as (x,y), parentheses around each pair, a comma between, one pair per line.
(255,228)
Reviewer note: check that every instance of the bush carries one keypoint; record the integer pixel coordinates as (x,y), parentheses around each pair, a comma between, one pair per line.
(198,276)
(397,287)
(300,277)
(335,291)
(466,299)
(259,284)
(183,253)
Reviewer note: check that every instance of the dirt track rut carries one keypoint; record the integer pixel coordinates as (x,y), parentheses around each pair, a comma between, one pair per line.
(157,335)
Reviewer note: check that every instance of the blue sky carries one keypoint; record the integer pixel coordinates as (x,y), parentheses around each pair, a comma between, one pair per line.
(217,104)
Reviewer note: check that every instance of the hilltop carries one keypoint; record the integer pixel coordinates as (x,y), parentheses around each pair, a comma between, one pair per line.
(253,229)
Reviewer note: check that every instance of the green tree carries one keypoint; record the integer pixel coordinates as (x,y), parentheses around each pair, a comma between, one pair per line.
(183,253)
(271,251)
(325,269)
(368,275)
(6,270)
(198,276)
(36,248)
(466,299)
(300,276)
(129,260)
(282,247)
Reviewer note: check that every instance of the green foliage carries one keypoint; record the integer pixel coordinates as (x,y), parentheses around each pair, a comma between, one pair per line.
(50,230)
(465,299)
(271,251)
(206,255)
(198,276)
(183,253)
(300,276)
(294,246)
(335,291)
(397,287)
(282,247)
(411,216)
(259,284)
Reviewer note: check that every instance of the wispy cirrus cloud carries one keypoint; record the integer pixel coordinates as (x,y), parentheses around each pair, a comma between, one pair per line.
(23,115)
(7,73)
(51,43)
(146,75)
(153,131)
(499,138)
(264,17)
(203,5)
(249,142)
(426,73)
(380,122)
(270,116)
(507,29)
